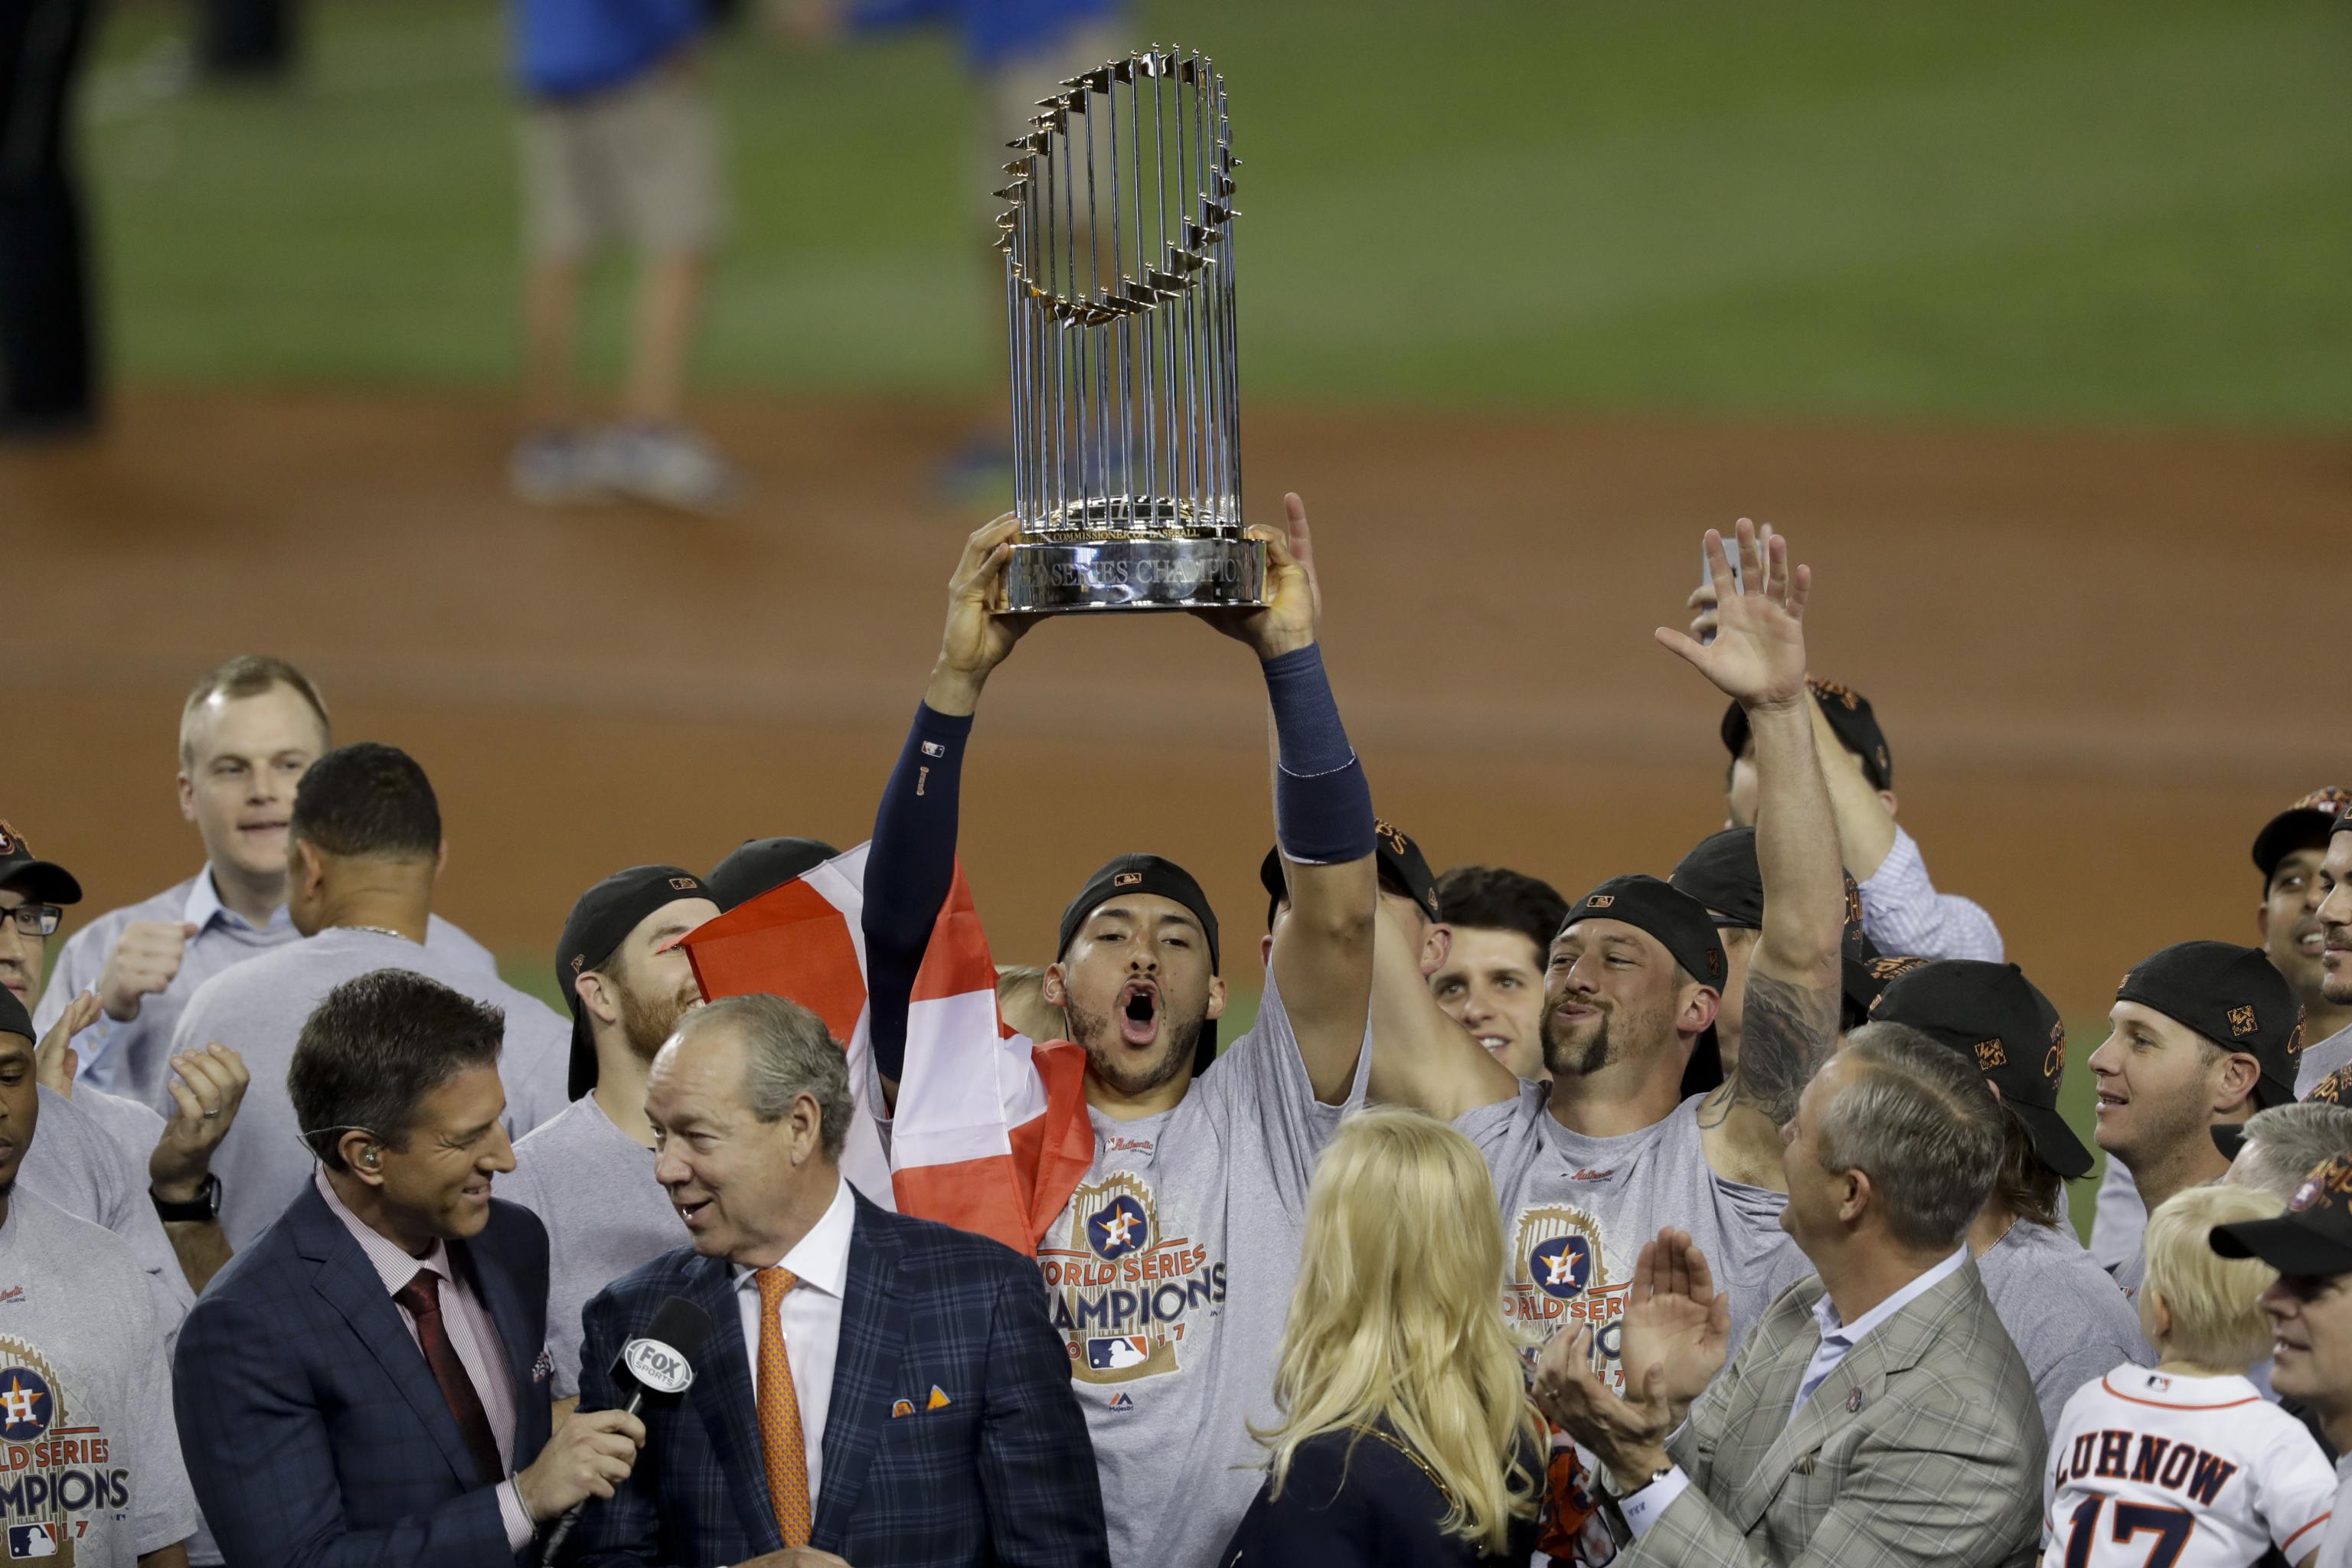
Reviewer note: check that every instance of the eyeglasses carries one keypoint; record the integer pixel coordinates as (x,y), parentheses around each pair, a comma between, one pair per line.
(36,919)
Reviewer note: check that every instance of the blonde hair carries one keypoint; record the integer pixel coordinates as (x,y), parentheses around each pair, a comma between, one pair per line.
(1395,1319)
(2217,1318)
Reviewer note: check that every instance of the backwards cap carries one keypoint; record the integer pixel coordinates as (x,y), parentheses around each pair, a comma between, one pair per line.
(2231,995)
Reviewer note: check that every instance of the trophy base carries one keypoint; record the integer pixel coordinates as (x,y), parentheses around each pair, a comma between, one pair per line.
(1134,574)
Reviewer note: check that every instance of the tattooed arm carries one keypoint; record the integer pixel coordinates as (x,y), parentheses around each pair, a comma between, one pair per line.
(1792,1004)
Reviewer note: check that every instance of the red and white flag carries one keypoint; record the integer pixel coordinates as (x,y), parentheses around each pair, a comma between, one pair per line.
(990,1132)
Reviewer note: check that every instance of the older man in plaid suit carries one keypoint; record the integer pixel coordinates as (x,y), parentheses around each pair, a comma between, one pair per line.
(1879,1415)
(877,1390)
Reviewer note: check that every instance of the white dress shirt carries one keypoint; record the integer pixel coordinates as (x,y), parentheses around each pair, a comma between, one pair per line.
(1838,1339)
(811,1315)
(472,1334)
(1903,913)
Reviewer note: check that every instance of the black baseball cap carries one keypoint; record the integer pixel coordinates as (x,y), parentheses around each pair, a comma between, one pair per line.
(2313,1239)
(1722,873)
(2336,1089)
(1681,925)
(2233,996)
(43,881)
(1403,869)
(1147,874)
(2229,1137)
(14,1019)
(1851,720)
(1993,1015)
(759,866)
(2305,825)
(601,917)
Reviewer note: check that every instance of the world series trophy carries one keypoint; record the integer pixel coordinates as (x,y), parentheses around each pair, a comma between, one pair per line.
(1119,287)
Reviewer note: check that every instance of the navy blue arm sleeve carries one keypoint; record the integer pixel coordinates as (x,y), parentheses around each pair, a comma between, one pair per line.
(908,873)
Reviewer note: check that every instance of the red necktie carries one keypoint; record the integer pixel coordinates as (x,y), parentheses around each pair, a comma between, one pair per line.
(422,1297)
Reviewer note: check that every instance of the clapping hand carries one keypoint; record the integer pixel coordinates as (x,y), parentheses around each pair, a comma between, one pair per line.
(1757,658)
(1673,1339)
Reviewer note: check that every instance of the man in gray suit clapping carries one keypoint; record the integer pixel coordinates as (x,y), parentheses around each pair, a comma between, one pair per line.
(1879,1415)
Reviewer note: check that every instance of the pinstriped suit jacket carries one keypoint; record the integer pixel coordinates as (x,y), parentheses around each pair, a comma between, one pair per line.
(1940,1463)
(1002,1474)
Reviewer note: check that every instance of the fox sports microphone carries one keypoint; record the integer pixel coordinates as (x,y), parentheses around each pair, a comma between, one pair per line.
(659,1362)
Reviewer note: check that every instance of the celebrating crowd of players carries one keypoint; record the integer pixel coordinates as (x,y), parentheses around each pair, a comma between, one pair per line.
(323,1245)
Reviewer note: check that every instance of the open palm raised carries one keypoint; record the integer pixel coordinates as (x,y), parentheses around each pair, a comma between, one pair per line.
(1757,658)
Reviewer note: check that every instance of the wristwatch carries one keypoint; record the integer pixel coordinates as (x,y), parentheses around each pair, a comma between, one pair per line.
(202,1209)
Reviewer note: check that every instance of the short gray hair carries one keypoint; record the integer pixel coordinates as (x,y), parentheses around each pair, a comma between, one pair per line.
(2289,1140)
(1918,1119)
(787,1052)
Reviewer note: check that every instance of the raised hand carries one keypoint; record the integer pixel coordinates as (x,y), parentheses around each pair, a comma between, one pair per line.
(55,1061)
(1293,606)
(145,958)
(977,638)
(208,1086)
(1702,598)
(1677,1328)
(1757,658)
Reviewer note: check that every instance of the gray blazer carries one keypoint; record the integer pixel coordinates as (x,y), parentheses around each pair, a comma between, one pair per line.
(1925,1446)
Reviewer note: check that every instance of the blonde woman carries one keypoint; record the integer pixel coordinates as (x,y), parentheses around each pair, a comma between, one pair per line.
(1407,1436)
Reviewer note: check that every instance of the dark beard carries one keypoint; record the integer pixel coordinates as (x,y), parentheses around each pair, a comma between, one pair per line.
(647,1023)
(1564,1060)
(1092,1033)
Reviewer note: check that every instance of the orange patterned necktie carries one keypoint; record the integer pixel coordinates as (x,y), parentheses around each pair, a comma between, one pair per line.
(781,1440)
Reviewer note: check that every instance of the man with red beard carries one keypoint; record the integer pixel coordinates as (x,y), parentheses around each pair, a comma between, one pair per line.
(588,1171)
(1169,1269)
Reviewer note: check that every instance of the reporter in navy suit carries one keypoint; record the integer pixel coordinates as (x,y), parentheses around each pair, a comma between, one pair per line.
(878,1389)
(362,1385)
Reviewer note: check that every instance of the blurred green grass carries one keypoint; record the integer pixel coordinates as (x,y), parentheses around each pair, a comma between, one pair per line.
(2076,1096)
(2116,211)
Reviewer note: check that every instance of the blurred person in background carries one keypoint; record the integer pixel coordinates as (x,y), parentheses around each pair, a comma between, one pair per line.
(619,142)
(1386,1454)
(248,731)
(49,354)
(1018,51)
(2289,852)
(247,42)
(1499,924)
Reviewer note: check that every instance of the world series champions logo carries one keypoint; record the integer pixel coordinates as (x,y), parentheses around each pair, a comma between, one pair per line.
(1124,1295)
(56,1476)
(1559,1277)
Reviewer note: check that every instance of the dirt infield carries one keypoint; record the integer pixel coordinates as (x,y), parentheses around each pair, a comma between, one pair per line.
(2093,654)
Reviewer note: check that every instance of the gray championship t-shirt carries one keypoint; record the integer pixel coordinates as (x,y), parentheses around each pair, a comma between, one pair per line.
(1576,1211)
(258,1007)
(92,1454)
(2070,1323)
(593,1186)
(82,1169)
(1169,1273)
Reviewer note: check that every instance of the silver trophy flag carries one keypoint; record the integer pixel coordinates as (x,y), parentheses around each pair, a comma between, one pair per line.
(1119,289)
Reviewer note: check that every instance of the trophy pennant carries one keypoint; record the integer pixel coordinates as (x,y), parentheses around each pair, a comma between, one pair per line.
(991,1134)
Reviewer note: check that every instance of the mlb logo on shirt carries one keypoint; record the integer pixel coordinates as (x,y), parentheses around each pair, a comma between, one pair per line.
(30,1541)
(1123,1349)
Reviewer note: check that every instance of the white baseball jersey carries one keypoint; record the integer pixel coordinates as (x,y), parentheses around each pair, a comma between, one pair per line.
(2153,1469)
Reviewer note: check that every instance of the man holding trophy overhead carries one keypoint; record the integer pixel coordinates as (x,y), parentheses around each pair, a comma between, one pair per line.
(1169,1257)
